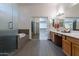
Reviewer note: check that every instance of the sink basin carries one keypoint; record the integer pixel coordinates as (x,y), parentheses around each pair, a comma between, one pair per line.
(65,31)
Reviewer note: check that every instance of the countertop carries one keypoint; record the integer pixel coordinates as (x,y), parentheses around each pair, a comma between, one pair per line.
(74,34)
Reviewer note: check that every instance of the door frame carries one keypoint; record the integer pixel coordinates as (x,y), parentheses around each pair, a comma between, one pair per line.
(38,17)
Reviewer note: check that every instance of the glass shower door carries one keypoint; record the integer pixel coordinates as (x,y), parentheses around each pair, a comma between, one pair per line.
(8,29)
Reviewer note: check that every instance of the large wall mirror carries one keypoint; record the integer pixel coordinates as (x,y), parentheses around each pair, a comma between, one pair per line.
(74,22)
(77,24)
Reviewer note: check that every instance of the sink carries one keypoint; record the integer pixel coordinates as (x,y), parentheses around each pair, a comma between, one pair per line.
(65,32)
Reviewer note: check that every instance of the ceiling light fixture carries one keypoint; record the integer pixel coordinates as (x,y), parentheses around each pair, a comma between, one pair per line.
(60,11)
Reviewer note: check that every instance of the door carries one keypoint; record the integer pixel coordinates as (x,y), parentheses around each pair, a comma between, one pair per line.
(35,28)
(40,28)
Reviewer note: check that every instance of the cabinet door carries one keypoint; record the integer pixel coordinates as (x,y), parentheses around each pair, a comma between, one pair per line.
(52,36)
(75,49)
(66,45)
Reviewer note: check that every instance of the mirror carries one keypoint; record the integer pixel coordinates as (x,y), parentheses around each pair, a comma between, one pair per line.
(74,22)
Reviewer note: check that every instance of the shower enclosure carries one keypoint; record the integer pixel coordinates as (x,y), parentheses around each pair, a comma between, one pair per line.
(8,28)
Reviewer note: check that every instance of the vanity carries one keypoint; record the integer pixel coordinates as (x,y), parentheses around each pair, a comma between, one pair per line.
(56,38)
(69,42)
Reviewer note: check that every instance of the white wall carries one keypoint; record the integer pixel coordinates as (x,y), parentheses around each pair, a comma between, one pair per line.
(36,24)
(26,12)
(24,21)
(42,10)
(72,11)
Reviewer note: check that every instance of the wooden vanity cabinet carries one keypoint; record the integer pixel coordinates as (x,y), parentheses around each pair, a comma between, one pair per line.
(56,38)
(70,46)
(66,45)
(75,49)
(52,36)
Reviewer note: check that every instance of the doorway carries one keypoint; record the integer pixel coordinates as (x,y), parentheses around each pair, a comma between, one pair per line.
(43,28)
(39,28)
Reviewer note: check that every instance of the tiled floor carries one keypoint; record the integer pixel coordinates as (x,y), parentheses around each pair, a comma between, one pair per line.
(43,34)
(40,48)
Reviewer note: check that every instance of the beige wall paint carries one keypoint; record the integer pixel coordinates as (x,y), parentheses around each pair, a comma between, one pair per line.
(72,11)
(43,10)
(26,12)
(24,21)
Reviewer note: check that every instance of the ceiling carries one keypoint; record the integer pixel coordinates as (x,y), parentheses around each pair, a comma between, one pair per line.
(45,4)
(57,5)
(37,4)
